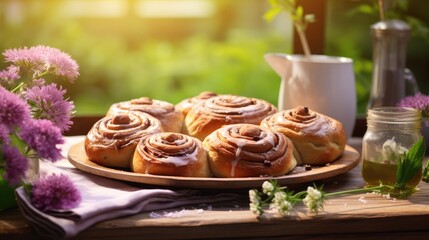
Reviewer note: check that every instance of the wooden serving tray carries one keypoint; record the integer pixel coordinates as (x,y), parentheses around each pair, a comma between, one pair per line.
(348,161)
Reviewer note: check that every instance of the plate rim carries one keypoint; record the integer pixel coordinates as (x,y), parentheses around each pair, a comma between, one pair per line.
(349,160)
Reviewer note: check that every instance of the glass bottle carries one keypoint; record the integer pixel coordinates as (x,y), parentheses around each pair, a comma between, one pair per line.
(390,79)
(391,131)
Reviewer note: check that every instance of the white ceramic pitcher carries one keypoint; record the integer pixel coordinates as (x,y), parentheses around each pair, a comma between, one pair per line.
(325,84)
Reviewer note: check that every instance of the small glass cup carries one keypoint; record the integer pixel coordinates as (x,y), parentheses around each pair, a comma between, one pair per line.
(391,131)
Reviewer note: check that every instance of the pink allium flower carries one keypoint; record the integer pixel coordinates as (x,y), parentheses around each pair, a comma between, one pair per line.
(39,82)
(9,76)
(42,136)
(418,101)
(13,110)
(15,164)
(48,103)
(4,134)
(41,59)
(55,192)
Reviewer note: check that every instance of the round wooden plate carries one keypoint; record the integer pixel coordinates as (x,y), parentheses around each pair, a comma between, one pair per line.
(348,161)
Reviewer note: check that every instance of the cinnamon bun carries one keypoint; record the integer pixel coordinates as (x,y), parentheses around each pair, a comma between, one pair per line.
(171,119)
(213,113)
(247,150)
(112,140)
(187,104)
(171,154)
(318,139)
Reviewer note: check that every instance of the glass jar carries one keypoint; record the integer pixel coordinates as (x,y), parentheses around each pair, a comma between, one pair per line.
(7,192)
(391,131)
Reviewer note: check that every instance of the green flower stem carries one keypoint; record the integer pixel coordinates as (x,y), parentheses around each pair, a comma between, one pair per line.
(358,190)
(18,87)
(39,75)
(300,195)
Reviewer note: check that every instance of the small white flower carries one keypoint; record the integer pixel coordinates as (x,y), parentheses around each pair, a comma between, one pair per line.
(255,208)
(392,151)
(255,202)
(281,204)
(268,188)
(254,196)
(313,200)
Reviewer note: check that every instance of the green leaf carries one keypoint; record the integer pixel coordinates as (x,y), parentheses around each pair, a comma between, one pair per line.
(299,12)
(366,9)
(18,143)
(272,13)
(402,4)
(409,165)
(28,188)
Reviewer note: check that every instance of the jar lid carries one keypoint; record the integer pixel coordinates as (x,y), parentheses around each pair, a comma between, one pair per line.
(391,28)
(394,115)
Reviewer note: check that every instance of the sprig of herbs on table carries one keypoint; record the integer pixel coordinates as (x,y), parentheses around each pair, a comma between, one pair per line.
(282,200)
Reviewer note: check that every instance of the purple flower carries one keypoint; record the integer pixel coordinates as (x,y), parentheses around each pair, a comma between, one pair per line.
(48,103)
(13,110)
(418,101)
(4,134)
(42,136)
(39,82)
(42,59)
(9,76)
(15,164)
(55,192)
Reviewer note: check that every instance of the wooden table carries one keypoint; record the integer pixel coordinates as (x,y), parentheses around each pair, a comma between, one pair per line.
(357,216)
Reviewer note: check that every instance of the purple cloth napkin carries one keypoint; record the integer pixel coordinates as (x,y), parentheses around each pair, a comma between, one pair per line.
(102,199)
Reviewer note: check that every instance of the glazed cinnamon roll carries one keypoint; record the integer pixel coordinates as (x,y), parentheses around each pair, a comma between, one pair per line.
(213,113)
(112,140)
(318,139)
(187,104)
(171,154)
(171,119)
(247,150)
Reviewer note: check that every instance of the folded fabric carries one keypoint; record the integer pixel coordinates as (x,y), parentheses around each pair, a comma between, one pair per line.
(102,199)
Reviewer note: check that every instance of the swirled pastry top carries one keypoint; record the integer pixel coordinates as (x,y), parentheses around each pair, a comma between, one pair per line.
(144,104)
(215,112)
(302,121)
(172,154)
(171,119)
(318,138)
(123,129)
(186,104)
(245,150)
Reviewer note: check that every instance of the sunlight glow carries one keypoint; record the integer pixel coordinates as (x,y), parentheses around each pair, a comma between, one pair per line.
(174,8)
(94,8)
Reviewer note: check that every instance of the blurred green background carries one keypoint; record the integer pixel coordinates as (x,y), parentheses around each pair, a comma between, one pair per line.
(174,49)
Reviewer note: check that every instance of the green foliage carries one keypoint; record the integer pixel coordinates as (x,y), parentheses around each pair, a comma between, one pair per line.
(296,13)
(398,9)
(170,71)
(122,61)
(410,164)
